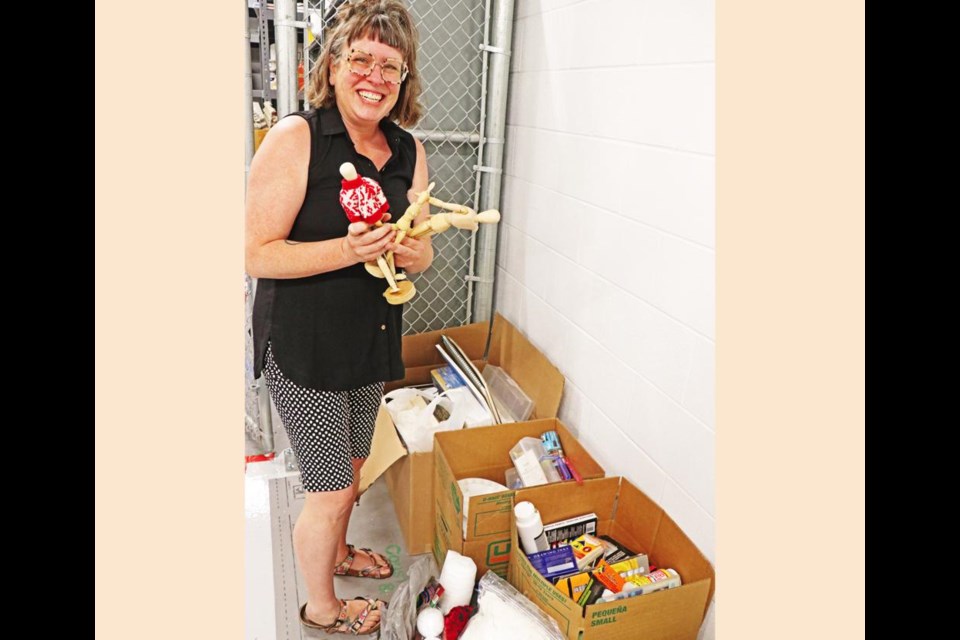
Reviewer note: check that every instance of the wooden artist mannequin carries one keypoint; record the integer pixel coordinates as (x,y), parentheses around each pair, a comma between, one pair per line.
(361,199)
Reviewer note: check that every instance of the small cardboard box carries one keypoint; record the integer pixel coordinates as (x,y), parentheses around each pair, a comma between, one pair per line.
(410,476)
(484,452)
(630,517)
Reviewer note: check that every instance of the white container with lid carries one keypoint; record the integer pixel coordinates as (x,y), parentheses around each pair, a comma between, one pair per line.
(530,528)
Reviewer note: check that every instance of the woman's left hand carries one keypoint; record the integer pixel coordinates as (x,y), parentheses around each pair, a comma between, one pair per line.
(412,254)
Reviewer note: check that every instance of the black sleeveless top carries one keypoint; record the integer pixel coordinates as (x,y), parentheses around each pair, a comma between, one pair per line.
(335,331)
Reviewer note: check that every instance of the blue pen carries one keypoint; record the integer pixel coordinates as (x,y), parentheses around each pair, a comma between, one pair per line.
(551,442)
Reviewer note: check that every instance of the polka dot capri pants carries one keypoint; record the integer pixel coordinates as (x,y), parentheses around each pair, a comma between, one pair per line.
(327,429)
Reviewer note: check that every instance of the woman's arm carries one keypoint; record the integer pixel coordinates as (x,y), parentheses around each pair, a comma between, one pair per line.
(275,192)
(415,255)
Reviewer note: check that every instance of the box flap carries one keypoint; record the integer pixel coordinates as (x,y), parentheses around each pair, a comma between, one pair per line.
(643,514)
(481,451)
(420,349)
(669,546)
(562,500)
(385,449)
(529,368)
(576,455)
(410,483)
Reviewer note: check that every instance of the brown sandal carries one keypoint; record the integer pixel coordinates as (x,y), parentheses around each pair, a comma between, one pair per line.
(375,571)
(343,623)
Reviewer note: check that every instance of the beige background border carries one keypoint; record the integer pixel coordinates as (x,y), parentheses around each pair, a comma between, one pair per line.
(791,318)
(169,320)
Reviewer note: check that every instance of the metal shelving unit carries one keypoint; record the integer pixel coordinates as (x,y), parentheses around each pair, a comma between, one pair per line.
(262,33)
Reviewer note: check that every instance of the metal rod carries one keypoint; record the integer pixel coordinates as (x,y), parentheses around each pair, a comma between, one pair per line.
(304,57)
(285,13)
(264,41)
(498,78)
(247,95)
(435,135)
(471,276)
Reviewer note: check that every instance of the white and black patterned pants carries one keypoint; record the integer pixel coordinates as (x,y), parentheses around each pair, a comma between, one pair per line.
(327,429)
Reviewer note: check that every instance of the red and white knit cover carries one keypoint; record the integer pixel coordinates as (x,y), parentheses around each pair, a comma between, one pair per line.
(363,200)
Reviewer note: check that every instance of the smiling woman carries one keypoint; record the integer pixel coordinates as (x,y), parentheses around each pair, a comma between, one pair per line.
(325,338)
(387,23)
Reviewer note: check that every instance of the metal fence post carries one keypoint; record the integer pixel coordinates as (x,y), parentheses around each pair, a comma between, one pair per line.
(491,167)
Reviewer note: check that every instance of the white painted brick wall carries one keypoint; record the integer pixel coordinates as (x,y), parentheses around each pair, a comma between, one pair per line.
(607,243)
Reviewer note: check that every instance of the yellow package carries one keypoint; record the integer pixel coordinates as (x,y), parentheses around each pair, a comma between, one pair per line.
(587,549)
(573,586)
(635,566)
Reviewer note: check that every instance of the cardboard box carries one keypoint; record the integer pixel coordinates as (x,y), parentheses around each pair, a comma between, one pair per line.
(410,477)
(484,452)
(258,136)
(630,517)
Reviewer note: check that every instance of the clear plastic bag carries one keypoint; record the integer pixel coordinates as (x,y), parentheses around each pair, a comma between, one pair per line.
(400,619)
(506,614)
(413,413)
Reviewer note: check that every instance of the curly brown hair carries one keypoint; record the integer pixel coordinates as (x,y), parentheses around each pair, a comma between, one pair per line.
(386,21)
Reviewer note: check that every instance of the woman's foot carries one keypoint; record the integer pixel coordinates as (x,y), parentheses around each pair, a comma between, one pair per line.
(359,616)
(363,563)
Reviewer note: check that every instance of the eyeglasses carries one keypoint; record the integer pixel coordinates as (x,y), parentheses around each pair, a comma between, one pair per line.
(362,63)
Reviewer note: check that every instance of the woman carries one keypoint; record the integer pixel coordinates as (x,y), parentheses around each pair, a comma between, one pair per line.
(324,335)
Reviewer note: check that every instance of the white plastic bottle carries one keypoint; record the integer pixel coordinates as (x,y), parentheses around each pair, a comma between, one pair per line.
(530,528)
(657,580)
(641,585)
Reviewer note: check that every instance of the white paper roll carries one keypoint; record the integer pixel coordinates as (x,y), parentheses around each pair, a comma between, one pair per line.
(458,577)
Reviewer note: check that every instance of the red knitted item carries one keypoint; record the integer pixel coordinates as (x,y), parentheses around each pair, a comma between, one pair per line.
(455,621)
(362,199)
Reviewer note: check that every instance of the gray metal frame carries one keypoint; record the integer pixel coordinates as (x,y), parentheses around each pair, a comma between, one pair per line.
(464,63)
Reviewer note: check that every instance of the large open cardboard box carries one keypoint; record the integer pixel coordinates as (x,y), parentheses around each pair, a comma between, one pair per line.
(630,517)
(484,452)
(409,477)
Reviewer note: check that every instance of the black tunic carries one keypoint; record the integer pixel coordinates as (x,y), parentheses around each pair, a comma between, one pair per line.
(335,330)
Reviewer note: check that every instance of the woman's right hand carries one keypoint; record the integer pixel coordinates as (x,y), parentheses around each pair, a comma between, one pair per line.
(364,242)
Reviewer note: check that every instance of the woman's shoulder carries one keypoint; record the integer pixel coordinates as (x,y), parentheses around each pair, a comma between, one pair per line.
(307,115)
(287,132)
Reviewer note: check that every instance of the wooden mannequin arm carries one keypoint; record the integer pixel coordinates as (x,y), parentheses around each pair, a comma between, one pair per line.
(456,208)
(442,221)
